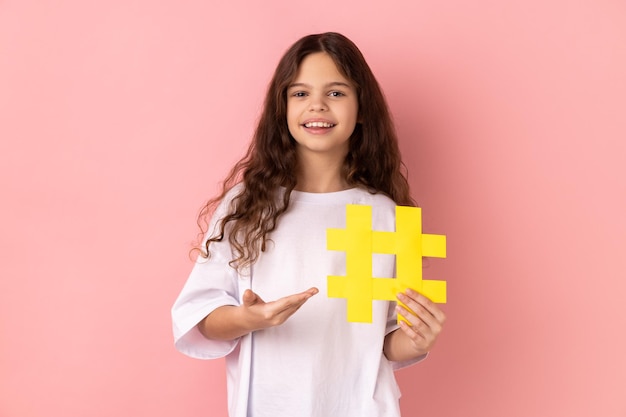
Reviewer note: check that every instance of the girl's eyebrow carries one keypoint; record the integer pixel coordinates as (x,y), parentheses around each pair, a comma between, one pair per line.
(331,84)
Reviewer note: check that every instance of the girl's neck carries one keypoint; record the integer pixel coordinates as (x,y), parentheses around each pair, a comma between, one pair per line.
(321,176)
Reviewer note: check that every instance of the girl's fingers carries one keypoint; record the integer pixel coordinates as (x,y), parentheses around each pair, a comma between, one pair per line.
(421,311)
(416,323)
(421,334)
(410,331)
(422,306)
(294,298)
(298,299)
(291,303)
(425,318)
(431,307)
(312,291)
(416,309)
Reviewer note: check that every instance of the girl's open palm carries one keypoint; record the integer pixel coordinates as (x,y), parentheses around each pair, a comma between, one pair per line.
(268,314)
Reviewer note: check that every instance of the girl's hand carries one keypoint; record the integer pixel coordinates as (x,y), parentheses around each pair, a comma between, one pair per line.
(426,321)
(230,322)
(260,314)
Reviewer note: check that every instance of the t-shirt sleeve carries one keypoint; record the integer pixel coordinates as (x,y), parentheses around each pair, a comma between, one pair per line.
(392,325)
(212,283)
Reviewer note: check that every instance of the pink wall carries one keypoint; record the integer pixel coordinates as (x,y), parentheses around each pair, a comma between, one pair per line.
(117,120)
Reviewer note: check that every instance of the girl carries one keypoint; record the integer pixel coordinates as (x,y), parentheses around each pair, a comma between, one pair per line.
(324,140)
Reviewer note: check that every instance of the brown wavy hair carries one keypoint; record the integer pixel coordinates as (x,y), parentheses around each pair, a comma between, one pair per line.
(373,160)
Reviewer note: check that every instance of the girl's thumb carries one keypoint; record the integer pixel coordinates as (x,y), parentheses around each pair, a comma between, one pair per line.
(249,297)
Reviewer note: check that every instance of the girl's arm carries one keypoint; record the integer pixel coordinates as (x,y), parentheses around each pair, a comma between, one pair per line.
(409,342)
(231,322)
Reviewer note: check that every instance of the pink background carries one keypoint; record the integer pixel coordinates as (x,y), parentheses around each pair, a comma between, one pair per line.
(119,118)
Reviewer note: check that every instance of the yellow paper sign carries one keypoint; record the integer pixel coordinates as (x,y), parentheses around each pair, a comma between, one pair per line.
(359,242)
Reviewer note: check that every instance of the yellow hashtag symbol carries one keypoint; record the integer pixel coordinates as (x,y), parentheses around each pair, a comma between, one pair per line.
(359,242)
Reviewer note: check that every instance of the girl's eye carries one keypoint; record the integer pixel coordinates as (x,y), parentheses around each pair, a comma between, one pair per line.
(336,94)
(299,94)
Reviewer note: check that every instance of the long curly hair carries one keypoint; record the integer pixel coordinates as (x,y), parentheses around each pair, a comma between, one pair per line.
(373,160)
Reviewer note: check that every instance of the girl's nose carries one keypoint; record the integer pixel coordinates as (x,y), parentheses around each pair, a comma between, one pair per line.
(318,104)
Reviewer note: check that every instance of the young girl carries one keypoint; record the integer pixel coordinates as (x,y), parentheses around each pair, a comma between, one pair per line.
(257,295)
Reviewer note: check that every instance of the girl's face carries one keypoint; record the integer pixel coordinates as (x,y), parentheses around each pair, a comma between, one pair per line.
(322,108)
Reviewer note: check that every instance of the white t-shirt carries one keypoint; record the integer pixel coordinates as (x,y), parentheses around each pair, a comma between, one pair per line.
(317,363)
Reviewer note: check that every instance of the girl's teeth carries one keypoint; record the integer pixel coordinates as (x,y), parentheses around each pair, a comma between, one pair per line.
(318,124)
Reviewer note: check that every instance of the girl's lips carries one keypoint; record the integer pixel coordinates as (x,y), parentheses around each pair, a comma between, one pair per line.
(318,126)
(317,130)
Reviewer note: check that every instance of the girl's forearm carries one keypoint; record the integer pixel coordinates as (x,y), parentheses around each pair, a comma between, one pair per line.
(224,323)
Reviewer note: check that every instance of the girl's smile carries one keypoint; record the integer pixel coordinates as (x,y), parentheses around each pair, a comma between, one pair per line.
(318,126)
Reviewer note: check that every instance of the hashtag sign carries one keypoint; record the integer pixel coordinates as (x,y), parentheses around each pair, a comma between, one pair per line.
(359,242)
